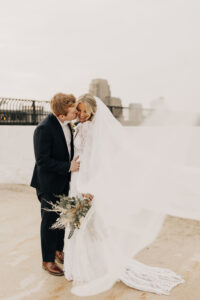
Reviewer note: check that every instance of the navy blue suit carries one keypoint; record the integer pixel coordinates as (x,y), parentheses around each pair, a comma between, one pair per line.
(51,176)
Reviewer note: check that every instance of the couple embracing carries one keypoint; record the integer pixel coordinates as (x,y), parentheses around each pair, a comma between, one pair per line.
(97,160)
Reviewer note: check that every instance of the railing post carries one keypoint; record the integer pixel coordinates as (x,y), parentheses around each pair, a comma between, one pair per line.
(34,113)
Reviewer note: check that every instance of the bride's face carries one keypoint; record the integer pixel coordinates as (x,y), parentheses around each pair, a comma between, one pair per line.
(82,113)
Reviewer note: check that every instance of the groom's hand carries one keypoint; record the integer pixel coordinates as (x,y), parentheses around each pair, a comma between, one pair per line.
(75,165)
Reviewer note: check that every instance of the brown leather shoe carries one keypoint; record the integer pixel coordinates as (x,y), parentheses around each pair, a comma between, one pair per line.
(60,257)
(52,268)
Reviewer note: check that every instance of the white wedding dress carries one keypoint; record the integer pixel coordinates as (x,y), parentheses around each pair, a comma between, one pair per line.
(86,256)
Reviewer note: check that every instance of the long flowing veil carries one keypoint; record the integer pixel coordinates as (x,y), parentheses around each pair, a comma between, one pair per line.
(136,179)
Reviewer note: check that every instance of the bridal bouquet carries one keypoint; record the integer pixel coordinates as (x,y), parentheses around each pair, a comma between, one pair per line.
(71,211)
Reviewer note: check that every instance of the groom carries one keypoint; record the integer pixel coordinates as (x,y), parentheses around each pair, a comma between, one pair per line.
(54,150)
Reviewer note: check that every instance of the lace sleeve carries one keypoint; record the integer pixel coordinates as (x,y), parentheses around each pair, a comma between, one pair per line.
(81,136)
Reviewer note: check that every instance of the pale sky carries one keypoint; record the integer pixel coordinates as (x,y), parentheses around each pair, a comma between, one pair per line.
(144,48)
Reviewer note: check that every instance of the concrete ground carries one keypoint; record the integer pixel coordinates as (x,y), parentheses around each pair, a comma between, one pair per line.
(21,275)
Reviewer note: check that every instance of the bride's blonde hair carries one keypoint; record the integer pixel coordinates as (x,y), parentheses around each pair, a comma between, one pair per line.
(90,104)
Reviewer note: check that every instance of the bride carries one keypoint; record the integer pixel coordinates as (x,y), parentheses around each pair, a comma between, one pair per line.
(131,189)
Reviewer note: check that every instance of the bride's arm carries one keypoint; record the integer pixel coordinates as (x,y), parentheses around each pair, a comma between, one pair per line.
(81,135)
(82,139)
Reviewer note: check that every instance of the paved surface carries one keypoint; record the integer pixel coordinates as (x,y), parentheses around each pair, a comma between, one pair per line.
(21,275)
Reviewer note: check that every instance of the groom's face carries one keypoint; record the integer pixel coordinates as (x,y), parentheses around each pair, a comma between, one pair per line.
(71,114)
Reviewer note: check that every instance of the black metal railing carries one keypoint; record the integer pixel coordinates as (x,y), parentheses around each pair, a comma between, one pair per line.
(31,112)
(22,112)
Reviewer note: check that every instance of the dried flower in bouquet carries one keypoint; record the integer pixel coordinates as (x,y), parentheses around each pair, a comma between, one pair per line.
(71,210)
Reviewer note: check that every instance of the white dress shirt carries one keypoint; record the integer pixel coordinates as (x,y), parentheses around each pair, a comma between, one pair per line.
(67,134)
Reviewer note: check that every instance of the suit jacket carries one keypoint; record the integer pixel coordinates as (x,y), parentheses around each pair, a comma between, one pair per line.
(51,173)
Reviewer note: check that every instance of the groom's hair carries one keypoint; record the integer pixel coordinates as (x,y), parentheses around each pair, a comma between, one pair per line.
(61,102)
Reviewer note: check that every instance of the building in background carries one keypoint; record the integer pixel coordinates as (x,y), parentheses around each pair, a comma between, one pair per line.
(101,89)
(132,115)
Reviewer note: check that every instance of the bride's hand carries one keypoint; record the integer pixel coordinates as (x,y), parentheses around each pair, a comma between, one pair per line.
(88,196)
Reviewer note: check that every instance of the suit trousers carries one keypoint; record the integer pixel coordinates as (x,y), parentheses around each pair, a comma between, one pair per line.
(52,240)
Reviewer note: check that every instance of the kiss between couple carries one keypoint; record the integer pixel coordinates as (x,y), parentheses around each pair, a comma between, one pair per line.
(100,160)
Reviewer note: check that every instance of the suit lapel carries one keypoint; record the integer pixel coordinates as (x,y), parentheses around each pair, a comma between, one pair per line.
(60,130)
